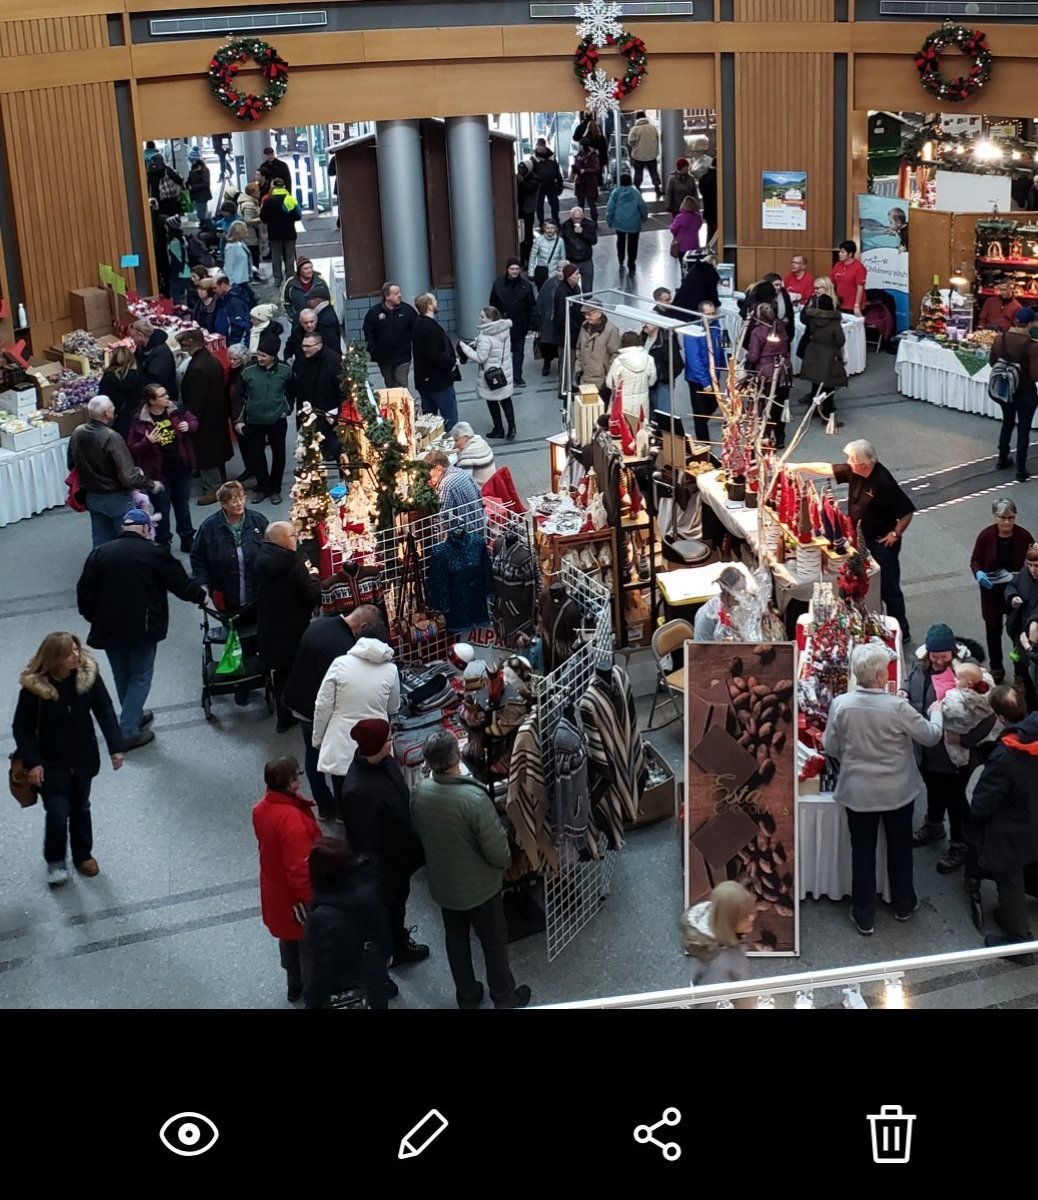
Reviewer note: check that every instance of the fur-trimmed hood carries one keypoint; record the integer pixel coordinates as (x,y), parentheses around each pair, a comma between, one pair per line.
(41,685)
(966,650)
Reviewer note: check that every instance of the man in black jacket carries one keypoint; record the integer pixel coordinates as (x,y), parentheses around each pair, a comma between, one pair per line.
(319,301)
(579,236)
(155,360)
(513,296)
(323,641)
(546,171)
(388,327)
(286,596)
(570,286)
(434,362)
(1003,821)
(316,371)
(107,473)
(275,168)
(202,393)
(122,593)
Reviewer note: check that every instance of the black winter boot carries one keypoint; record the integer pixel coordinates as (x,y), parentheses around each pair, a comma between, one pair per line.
(495,413)
(510,418)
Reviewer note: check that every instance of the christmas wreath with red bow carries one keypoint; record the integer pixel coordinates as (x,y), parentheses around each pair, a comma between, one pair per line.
(586,55)
(227,62)
(973,44)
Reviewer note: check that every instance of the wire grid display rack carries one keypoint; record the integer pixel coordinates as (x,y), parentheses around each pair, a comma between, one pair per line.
(386,549)
(574,893)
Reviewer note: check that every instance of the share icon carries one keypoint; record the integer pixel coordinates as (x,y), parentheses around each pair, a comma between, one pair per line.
(645,1135)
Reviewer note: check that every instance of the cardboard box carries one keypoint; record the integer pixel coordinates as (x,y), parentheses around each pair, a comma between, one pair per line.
(660,801)
(21,441)
(44,380)
(78,363)
(25,404)
(68,420)
(90,309)
(49,431)
(55,353)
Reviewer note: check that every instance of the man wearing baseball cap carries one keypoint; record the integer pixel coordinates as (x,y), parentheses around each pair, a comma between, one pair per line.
(122,593)
(1016,346)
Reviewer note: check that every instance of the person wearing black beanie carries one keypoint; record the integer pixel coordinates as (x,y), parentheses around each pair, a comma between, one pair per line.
(265,397)
(514,298)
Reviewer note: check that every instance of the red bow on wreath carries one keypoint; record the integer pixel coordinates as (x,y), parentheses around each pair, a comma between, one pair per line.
(273,64)
(250,109)
(588,58)
(926,57)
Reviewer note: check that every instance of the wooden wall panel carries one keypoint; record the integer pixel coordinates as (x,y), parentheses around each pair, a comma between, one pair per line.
(783,10)
(52,35)
(771,93)
(69,208)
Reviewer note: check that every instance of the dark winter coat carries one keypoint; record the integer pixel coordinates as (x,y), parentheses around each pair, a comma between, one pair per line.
(202,393)
(546,310)
(157,364)
(199,184)
(317,381)
(460,581)
(576,317)
(214,558)
(547,173)
(580,247)
(377,818)
(231,316)
(103,461)
(1026,588)
(823,357)
(276,168)
(526,189)
(286,596)
(125,393)
(294,344)
(515,300)
(149,455)
(281,225)
(286,830)
(329,328)
(347,940)
(388,332)
(701,283)
(61,712)
(323,641)
(434,356)
(993,600)
(295,292)
(768,357)
(1004,808)
(587,175)
(921,695)
(123,590)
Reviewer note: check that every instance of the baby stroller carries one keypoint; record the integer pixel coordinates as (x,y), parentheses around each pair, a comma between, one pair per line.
(241,684)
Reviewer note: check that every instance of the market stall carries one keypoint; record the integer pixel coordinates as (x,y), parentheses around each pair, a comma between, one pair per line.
(32,480)
(855,350)
(950,377)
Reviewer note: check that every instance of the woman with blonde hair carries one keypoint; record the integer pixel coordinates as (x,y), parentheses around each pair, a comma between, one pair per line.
(713,930)
(248,203)
(122,383)
(237,265)
(61,689)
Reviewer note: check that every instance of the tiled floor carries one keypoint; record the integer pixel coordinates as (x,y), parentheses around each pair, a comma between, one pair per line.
(173,918)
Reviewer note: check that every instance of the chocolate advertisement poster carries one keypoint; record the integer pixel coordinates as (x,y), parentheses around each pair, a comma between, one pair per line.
(740,794)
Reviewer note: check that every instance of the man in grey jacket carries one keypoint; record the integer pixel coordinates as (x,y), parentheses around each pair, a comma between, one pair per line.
(872,733)
(466,853)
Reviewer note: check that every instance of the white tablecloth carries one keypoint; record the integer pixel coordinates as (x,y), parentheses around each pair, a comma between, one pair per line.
(32,480)
(855,350)
(824,850)
(740,521)
(927,371)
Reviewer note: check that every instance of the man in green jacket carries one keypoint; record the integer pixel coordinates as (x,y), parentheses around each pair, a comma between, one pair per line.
(265,397)
(466,853)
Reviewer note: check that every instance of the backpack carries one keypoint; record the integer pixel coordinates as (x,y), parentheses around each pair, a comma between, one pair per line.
(169,189)
(198,254)
(1004,380)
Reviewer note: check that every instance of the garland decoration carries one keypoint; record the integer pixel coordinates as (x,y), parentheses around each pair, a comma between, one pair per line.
(955,152)
(227,62)
(973,44)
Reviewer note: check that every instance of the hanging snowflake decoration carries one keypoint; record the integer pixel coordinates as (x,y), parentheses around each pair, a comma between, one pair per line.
(599,21)
(601,92)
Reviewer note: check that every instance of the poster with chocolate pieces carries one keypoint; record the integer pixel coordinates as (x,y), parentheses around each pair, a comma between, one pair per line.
(740,793)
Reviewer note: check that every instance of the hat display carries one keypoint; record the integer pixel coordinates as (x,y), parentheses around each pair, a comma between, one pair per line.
(370,735)
(939,638)
(136,516)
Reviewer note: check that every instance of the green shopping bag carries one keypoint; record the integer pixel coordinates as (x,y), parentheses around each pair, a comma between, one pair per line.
(231,660)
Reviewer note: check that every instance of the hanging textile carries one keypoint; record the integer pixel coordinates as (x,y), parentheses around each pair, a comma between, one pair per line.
(571,803)
(514,569)
(560,622)
(615,748)
(354,584)
(527,802)
(459,581)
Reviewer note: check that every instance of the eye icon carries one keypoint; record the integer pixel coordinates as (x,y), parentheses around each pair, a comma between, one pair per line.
(188,1134)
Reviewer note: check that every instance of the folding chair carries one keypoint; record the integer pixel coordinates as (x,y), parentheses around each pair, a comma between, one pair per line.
(665,641)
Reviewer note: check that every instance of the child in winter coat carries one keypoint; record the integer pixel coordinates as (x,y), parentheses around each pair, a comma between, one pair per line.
(964,707)
(712,932)
(634,371)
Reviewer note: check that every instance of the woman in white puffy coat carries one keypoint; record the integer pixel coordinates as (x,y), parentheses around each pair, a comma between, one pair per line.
(360,684)
(634,370)
(493,348)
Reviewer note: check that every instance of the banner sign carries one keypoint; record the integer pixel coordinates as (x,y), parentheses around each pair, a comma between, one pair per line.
(883,222)
(784,199)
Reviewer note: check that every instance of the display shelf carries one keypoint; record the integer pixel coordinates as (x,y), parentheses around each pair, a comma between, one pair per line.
(554,545)
(990,291)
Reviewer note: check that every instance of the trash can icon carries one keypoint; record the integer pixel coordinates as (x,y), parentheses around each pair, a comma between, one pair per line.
(891,1134)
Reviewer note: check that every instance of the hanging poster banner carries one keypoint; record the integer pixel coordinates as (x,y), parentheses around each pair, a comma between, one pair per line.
(784,195)
(740,793)
(883,223)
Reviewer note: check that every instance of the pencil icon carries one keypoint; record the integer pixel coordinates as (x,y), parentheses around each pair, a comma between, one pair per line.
(422,1135)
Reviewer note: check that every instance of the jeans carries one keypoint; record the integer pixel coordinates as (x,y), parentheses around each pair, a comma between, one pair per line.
(67,812)
(553,203)
(445,403)
(107,510)
(587,276)
(518,345)
(202,211)
(626,243)
(319,788)
(1020,413)
(132,669)
(488,922)
(659,398)
(889,560)
(775,424)
(396,376)
(282,258)
(864,826)
(640,166)
(255,441)
(946,791)
(175,495)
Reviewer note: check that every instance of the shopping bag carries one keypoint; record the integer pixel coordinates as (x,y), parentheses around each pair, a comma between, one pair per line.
(76,496)
(231,660)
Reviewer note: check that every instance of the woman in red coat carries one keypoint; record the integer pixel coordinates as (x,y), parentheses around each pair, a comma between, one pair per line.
(1000,548)
(286,830)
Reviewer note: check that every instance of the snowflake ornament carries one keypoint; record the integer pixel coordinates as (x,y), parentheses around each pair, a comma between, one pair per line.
(601,92)
(599,21)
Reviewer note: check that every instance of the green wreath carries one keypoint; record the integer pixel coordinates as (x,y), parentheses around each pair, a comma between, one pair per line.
(972,43)
(225,65)
(586,56)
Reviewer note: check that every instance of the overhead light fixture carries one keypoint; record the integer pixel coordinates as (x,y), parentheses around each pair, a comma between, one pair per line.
(765,1001)
(987,152)
(852,997)
(895,994)
(804,999)
(959,279)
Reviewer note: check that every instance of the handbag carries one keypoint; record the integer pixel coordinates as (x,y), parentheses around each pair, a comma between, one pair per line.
(76,495)
(22,790)
(495,378)
(538,353)
(231,660)
(418,622)
(675,249)
(540,276)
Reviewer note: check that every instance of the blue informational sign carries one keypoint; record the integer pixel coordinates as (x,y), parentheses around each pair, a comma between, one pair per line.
(883,222)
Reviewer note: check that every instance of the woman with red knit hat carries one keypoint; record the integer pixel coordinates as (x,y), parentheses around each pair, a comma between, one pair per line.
(682,183)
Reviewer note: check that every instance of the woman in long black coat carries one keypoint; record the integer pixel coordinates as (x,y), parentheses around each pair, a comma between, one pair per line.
(823,361)
(61,693)
(202,392)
